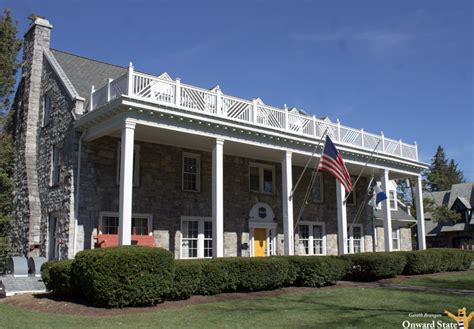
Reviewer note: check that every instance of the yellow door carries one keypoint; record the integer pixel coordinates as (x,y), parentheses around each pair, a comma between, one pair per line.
(259,242)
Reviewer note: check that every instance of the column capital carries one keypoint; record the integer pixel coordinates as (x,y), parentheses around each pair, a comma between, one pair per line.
(129,124)
(220,141)
(287,154)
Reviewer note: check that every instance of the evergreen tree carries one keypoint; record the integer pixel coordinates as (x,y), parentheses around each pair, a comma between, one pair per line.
(455,175)
(442,173)
(10,47)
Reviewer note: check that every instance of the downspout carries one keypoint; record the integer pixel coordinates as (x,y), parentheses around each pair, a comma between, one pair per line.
(78,184)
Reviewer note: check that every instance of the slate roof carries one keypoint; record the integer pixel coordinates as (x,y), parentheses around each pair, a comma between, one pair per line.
(400,214)
(85,72)
(465,193)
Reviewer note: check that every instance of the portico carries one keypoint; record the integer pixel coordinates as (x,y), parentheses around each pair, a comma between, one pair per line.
(190,118)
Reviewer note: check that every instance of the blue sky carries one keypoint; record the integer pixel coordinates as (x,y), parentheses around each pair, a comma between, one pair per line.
(402,67)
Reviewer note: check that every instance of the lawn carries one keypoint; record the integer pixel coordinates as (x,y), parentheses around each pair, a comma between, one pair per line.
(341,308)
(461,280)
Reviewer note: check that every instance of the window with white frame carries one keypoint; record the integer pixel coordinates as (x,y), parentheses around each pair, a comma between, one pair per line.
(312,238)
(196,237)
(395,238)
(46,109)
(392,196)
(318,189)
(141,223)
(136,164)
(261,178)
(355,238)
(191,172)
(56,159)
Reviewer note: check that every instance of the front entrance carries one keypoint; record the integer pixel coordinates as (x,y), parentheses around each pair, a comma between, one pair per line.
(259,242)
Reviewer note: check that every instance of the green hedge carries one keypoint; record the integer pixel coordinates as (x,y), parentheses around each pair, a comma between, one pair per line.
(124,276)
(437,260)
(374,266)
(60,278)
(136,276)
(45,268)
(316,271)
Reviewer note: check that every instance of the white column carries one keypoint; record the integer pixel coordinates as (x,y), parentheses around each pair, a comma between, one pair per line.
(387,214)
(341,219)
(420,214)
(287,184)
(218,198)
(126,183)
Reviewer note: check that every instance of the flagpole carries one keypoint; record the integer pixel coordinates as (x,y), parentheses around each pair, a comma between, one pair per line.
(310,185)
(362,170)
(307,164)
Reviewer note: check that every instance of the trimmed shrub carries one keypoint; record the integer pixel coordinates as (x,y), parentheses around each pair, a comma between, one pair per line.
(186,279)
(437,260)
(124,276)
(214,277)
(60,275)
(316,271)
(252,274)
(45,268)
(374,266)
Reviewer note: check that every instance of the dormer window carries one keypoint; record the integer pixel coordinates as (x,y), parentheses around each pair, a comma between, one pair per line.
(392,196)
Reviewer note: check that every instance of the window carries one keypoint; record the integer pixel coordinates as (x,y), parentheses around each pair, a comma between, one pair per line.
(355,238)
(109,225)
(196,237)
(46,109)
(56,155)
(312,238)
(395,238)
(317,189)
(392,196)
(261,178)
(207,239)
(141,223)
(191,172)
(136,164)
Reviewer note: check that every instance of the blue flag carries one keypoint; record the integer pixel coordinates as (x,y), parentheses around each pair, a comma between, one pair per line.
(379,196)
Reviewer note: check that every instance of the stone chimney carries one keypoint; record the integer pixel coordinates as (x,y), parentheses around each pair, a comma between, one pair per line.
(36,38)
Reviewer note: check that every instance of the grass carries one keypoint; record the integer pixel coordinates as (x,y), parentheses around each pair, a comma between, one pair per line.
(461,280)
(341,308)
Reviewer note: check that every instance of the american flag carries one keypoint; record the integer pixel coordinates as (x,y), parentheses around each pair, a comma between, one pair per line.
(332,162)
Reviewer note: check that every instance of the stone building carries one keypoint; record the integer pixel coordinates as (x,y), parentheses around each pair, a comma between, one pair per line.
(109,155)
(448,232)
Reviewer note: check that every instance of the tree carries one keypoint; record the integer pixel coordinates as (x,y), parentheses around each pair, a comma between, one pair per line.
(9,65)
(442,173)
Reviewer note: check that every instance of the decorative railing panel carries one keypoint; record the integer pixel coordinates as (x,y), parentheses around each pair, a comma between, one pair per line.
(154,89)
(198,100)
(270,117)
(163,90)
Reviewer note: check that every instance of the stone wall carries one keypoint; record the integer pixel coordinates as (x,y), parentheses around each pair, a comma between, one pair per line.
(26,217)
(160,194)
(61,133)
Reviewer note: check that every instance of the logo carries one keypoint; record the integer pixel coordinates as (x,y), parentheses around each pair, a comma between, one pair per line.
(462,319)
(262,212)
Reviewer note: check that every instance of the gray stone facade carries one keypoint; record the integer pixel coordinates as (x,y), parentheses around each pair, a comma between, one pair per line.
(160,193)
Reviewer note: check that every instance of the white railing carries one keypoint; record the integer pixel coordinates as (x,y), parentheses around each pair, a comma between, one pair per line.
(165,91)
